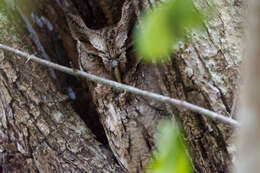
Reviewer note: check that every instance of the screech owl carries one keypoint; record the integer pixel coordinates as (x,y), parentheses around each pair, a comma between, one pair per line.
(108,43)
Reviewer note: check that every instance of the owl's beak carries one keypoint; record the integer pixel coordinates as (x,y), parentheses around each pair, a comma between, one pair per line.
(117,74)
(115,67)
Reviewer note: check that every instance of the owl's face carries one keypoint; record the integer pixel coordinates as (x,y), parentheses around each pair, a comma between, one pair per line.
(114,54)
(107,43)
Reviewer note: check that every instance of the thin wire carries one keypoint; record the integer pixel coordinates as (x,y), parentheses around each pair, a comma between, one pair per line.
(126,88)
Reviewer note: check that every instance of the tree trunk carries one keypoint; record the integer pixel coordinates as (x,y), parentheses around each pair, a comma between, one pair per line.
(248,138)
(39,130)
(203,71)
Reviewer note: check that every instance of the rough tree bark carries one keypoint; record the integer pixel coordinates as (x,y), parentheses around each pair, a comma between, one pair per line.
(39,130)
(203,71)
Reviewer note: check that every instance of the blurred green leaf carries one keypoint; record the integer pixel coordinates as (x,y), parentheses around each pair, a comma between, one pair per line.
(155,39)
(171,156)
(165,25)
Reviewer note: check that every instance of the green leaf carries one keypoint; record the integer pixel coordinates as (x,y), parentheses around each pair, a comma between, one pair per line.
(155,39)
(171,156)
(165,25)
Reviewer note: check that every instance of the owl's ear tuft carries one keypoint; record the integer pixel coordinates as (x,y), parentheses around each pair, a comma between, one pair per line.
(83,33)
(123,24)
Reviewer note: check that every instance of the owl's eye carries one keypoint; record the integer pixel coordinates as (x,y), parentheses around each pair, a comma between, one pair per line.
(105,60)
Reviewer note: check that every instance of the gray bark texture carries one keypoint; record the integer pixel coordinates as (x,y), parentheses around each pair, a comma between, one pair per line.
(203,71)
(39,130)
(248,137)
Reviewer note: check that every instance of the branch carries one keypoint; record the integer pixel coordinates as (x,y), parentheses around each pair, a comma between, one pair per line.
(124,87)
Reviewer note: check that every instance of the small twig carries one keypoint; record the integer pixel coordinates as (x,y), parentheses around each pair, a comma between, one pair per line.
(124,87)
